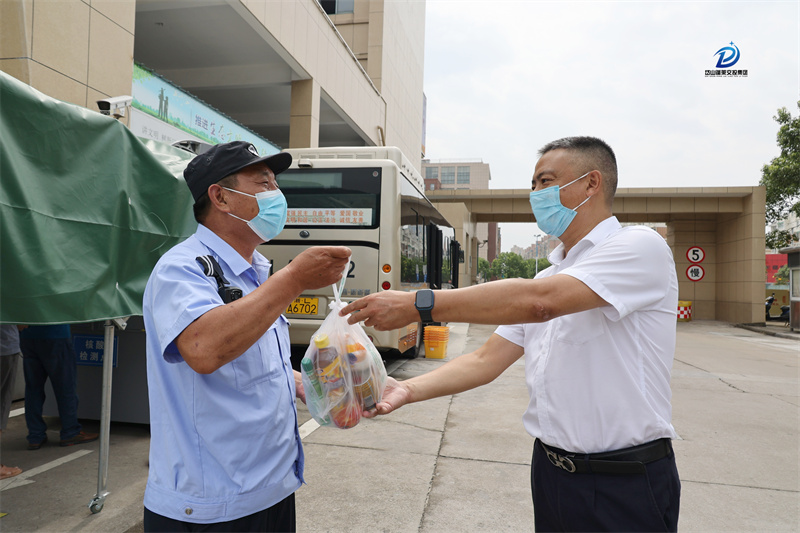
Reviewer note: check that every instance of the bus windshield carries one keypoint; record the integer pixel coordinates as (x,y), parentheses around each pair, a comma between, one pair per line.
(333,198)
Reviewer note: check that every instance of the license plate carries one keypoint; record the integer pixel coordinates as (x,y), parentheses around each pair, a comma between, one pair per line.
(303,306)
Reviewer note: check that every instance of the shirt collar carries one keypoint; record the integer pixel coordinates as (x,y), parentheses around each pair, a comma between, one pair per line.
(226,253)
(599,233)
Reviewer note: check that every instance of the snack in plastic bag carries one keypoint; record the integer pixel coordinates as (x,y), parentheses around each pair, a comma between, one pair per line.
(342,371)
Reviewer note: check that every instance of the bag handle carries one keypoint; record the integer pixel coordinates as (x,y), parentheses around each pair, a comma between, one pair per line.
(338,288)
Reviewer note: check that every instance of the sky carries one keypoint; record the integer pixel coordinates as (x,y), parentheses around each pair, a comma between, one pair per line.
(503,78)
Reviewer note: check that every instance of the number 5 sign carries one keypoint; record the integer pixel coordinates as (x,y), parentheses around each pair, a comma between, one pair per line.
(695,254)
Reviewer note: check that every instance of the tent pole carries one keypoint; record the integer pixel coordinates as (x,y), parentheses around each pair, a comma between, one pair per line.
(96,505)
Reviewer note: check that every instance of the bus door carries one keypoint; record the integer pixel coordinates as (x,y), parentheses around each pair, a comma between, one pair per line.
(443,257)
(456,258)
(434,257)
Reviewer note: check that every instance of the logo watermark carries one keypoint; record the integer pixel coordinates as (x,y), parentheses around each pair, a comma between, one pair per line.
(728,57)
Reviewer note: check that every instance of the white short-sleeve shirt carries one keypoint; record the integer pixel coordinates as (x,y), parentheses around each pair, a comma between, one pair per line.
(599,380)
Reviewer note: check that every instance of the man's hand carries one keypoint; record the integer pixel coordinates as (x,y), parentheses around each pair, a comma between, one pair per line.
(300,391)
(394,397)
(383,310)
(319,266)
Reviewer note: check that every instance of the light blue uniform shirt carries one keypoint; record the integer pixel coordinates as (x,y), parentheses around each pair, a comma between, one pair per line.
(223,445)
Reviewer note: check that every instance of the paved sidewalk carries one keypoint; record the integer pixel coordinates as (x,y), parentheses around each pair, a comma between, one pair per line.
(462,463)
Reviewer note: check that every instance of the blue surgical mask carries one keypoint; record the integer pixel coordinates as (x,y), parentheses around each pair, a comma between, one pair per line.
(551,216)
(271,217)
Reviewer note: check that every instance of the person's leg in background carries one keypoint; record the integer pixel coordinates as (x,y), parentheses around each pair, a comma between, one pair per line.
(8,372)
(62,368)
(35,379)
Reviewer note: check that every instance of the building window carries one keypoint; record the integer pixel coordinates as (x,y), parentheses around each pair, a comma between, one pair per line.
(463,175)
(334,7)
(431,173)
(448,175)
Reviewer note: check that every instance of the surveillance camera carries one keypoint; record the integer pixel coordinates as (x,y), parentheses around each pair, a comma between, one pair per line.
(115,105)
(195,147)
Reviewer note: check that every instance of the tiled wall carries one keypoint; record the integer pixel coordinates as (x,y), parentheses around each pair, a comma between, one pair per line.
(730,230)
(741,272)
(304,32)
(78,51)
(685,232)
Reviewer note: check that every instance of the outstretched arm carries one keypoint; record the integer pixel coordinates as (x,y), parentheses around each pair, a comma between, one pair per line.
(225,332)
(509,301)
(462,373)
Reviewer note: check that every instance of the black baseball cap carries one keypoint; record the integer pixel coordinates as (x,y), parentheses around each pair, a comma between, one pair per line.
(222,160)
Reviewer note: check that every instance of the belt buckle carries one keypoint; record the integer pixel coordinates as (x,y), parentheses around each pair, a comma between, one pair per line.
(560,461)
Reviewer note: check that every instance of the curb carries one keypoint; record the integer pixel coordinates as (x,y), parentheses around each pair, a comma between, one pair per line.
(765,331)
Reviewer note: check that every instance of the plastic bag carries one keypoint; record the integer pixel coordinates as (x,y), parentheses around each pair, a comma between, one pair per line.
(342,371)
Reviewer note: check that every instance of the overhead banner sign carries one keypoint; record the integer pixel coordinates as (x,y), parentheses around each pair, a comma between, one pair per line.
(166,114)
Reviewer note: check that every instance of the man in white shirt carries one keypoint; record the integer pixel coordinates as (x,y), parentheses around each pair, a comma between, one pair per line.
(597,330)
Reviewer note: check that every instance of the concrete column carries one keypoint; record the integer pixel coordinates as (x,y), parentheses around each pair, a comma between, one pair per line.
(740,246)
(304,119)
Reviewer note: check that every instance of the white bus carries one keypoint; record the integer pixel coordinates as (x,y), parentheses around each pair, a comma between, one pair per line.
(371,200)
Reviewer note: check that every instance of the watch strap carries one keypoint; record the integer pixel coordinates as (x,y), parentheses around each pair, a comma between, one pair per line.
(425,315)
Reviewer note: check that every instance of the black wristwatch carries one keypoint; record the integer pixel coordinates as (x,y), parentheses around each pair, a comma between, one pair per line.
(424,304)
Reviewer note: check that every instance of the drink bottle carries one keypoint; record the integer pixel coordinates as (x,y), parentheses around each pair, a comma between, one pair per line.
(315,396)
(343,409)
(363,380)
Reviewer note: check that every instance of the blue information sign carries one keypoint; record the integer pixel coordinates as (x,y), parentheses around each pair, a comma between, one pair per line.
(89,349)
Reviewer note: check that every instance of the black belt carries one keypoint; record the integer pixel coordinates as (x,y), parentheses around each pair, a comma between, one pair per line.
(626,461)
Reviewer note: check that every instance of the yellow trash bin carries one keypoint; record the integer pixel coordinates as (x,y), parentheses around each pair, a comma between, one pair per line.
(436,338)
(684,311)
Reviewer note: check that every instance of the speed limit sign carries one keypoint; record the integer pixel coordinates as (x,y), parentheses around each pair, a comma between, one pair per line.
(695,254)
(695,272)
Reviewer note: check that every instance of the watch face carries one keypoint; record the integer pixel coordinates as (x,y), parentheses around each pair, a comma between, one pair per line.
(424,299)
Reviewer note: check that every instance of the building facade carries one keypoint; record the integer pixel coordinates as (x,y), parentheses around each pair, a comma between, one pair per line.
(465,174)
(284,69)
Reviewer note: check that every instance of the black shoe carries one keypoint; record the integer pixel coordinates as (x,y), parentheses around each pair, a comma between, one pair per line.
(80,438)
(37,445)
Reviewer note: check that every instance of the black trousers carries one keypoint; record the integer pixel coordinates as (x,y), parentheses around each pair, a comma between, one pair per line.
(280,518)
(605,502)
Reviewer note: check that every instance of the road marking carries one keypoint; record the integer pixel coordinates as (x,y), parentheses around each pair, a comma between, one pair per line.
(17,412)
(22,479)
(308,428)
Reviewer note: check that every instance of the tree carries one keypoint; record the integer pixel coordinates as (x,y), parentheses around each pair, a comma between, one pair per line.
(782,275)
(781,177)
(530,266)
(484,269)
(508,265)
(511,265)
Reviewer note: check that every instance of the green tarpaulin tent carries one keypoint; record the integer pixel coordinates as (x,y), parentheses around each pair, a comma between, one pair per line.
(86,210)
